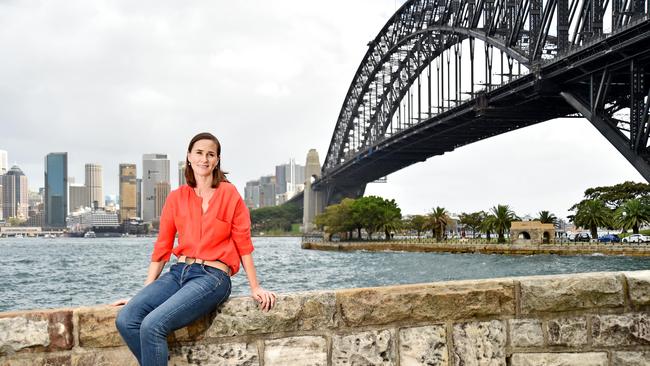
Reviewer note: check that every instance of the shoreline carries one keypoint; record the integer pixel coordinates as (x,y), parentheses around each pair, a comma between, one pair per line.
(634,250)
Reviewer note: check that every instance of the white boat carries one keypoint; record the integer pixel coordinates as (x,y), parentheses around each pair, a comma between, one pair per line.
(90,234)
(19,236)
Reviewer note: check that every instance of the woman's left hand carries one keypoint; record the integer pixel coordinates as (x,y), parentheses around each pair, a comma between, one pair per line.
(264,297)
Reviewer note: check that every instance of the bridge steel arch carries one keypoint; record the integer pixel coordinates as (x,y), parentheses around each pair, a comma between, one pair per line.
(577,58)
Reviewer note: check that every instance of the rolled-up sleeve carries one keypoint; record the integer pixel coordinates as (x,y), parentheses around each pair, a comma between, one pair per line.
(162,249)
(241,229)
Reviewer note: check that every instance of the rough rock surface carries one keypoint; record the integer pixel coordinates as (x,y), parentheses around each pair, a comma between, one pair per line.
(566,293)
(296,351)
(621,330)
(480,343)
(19,332)
(526,333)
(366,348)
(423,346)
(631,358)
(559,359)
(295,312)
(223,354)
(639,287)
(570,332)
(419,303)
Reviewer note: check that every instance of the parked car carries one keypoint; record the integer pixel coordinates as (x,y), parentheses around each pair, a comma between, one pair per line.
(609,238)
(636,238)
(582,237)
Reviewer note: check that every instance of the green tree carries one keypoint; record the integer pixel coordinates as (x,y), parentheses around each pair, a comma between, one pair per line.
(419,223)
(488,226)
(276,217)
(392,217)
(472,220)
(592,214)
(338,218)
(632,214)
(503,216)
(545,217)
(614,196)
(438,221)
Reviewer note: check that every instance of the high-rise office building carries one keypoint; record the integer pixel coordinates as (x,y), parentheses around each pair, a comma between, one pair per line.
(15,194)
(128,192)
(289,176)
(155,169)
(95,185)
(4,162)
(181,173)
(267,191)
(252,194)
(79,197)
(56,189)
(138,197)
(161,190)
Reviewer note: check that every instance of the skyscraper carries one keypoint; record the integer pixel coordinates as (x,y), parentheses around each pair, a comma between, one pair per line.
(181,173)
(128,192)
(56,189)
(162,190)
(4,163)
(15,194)
(155,169)
(289,176)
(95,185)
(138,197)
(79,197)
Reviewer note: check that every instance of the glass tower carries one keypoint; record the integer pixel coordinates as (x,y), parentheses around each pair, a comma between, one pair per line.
(56,189)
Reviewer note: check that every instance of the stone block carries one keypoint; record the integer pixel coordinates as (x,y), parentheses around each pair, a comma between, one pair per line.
(97,327)
(559,359)
(570,293)
(294,312)
(570,332)
(526,333)
(51,330)
(296,351)
(621,330)
(116,356)
(423,346)
(480,343)
(224,354)
(365,348)
(639,286)
(630,358)
(21,332)
(37,360)
(430,302)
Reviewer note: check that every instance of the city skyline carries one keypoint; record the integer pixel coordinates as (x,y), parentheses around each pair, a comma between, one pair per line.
(108,83)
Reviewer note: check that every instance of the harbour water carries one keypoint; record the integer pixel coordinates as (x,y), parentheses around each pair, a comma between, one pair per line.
(42,273)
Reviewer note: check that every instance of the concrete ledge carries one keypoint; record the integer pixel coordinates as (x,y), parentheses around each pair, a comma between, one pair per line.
(594,318)
(634,250)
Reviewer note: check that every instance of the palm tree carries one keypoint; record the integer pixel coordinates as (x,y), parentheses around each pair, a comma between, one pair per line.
(592,214)
(487,225)
(438,220)
(503,217)
(632,214)
(545,217)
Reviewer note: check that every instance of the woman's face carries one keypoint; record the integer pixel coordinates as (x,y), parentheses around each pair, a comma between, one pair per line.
(203,158)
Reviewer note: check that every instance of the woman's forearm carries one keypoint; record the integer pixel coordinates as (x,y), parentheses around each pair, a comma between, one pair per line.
(249,267)
(154,271)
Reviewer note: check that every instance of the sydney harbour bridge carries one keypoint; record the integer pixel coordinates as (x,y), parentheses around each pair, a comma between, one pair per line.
(446,73)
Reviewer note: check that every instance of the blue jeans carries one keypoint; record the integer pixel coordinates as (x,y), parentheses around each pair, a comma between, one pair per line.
(176,299)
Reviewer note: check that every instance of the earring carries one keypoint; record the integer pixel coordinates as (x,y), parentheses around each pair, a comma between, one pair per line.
(188,163)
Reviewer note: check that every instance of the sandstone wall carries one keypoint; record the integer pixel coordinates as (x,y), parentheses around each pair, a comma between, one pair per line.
(632,250)
(586,319)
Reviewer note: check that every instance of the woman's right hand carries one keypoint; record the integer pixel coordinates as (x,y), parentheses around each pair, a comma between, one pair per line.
(120,302)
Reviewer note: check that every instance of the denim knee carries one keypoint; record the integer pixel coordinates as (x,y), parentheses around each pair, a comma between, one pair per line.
(152,327)
(122,321)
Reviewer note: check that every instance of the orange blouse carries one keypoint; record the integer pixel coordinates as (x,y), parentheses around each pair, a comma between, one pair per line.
(222,233)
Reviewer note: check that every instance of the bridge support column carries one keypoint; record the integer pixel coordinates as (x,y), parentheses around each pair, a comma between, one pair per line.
(312,206)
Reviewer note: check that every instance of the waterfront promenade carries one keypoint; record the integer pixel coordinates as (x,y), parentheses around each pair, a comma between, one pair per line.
(595,319)
(570,248)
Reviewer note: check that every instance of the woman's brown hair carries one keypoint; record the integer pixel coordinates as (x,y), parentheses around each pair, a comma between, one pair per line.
(218,175)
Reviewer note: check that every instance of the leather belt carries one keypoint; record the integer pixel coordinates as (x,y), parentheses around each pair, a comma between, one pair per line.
(214,264)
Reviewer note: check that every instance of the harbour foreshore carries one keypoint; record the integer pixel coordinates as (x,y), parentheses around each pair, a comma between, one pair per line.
(576,319)
(625,249)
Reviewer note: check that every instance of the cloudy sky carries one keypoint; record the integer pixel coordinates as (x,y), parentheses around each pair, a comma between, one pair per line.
(107,81)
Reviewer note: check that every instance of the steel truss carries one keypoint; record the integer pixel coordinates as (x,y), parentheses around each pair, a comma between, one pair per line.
(417,71)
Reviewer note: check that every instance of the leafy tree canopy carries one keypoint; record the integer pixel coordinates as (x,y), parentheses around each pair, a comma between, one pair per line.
(614,196)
